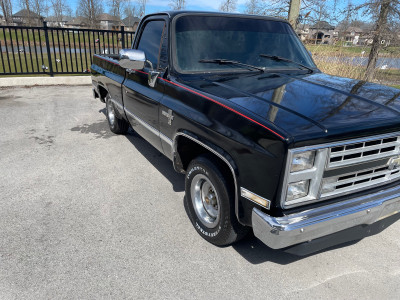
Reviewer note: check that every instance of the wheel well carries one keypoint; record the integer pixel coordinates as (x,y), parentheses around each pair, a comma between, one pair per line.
(188,150)
(103,92)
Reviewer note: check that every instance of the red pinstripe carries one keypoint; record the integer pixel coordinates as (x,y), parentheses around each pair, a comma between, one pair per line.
(210,99)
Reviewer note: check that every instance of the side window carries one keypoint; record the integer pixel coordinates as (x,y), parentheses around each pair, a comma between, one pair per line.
(150,41)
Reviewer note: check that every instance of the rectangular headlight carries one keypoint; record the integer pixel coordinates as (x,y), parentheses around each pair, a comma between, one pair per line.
(297,190)
(302,161)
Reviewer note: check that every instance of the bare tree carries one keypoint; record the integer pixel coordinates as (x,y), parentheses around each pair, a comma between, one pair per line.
(314,9)
(228,5)
(116,8)
(141,7)
(90,10)
(27,4)
(60,9)
(177,4)
(40,7)
(253,7)
(382,11)
(130,10)
(276,8)
(6,8)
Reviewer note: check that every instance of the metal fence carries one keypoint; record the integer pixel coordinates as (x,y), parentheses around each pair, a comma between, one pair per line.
(48,50)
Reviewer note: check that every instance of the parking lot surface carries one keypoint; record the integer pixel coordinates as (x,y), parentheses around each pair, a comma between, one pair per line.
(86,214)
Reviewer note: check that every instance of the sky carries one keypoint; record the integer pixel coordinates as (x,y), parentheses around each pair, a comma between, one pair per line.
(203,5)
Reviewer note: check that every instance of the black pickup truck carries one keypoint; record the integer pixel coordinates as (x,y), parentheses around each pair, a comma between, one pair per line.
(266,140)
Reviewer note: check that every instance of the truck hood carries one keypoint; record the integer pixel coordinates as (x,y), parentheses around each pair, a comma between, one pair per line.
(309,106)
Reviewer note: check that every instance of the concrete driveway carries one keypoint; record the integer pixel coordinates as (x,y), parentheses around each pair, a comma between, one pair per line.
(86,214)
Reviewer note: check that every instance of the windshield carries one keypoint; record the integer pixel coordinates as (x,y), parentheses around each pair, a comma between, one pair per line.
(239,39)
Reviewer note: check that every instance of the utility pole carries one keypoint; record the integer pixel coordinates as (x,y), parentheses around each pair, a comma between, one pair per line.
(294,10)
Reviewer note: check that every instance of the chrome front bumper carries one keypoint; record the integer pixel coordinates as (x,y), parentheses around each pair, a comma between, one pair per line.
(314,223)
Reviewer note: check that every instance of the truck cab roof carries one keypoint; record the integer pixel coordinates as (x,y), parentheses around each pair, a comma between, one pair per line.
(174,13)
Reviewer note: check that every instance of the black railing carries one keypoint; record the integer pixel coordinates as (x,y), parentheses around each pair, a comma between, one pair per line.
(50,50)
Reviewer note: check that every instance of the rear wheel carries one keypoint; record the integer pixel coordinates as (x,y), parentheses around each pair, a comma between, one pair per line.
(116,124)
(210,205)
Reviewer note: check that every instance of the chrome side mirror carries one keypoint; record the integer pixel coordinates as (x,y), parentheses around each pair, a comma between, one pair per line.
(132,59)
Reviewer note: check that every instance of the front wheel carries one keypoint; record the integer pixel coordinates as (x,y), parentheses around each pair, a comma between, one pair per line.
(210,205)
(117,125)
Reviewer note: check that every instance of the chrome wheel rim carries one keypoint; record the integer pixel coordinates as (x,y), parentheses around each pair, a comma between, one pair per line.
(110,111)
(205,201)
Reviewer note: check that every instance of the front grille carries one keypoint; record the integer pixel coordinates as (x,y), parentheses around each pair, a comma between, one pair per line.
(352,182)
(355,154)
(345,167)
(359,152)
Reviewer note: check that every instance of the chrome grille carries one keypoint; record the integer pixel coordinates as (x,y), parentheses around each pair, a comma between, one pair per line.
(345,167)
(340,156)
(352,182)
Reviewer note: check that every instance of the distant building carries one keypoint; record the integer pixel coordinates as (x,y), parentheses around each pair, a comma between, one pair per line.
(131,23)
(78,22)
(57,22)
(352,36)
(319,33)
(323,33)
(27,18)
(109,22)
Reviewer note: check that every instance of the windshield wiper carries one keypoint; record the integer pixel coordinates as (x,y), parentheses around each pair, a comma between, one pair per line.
(278,58)
(223,61)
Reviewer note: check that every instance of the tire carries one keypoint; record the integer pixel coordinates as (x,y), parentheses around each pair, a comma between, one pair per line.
(210,205)
(117,125)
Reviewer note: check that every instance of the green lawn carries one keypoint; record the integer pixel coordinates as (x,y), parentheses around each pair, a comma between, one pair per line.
(69,63)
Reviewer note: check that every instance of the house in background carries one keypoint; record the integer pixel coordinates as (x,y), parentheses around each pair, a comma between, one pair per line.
(323,33)
(57,22)
(131,23)
(78,22)
(320,33)
(27,18)
(109,22)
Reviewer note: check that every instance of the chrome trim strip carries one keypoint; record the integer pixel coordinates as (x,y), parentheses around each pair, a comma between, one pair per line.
(117,104)
(143,123)
(166,139)
(149,127)
(281,232)
(221,157)
(243,192)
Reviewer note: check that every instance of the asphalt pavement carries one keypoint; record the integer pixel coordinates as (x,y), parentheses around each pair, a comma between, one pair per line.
(86,214)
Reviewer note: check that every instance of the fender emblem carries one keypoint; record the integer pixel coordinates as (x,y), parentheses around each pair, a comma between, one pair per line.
(168,115)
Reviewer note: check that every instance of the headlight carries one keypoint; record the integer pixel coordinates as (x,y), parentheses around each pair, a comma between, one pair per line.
(297,190)
(304,174)
(302,161)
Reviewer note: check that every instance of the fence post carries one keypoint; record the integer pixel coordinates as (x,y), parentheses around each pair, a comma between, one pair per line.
(123,37)
(46,35)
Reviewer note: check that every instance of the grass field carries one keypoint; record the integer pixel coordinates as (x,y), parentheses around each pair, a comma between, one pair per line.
(61,63)
(330,59)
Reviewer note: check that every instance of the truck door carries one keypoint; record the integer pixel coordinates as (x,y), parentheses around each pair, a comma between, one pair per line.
(140,99)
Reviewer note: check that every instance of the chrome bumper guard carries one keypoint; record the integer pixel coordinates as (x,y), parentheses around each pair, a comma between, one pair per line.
(314,223)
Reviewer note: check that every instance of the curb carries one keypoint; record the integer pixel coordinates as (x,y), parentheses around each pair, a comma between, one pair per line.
(43,81)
